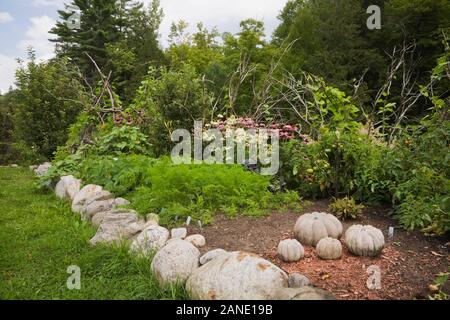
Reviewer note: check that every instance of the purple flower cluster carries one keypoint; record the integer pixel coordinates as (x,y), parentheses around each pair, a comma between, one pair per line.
(286,131)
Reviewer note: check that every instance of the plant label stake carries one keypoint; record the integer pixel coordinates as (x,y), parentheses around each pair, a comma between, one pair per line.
(200,225)
(391,233)
(188,220)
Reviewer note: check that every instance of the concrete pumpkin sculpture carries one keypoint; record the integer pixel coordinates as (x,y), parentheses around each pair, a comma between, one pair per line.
(366,241)
(329,249)
(310,228)
(290,250)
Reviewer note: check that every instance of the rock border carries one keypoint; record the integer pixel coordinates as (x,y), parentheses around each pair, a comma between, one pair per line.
(177,258)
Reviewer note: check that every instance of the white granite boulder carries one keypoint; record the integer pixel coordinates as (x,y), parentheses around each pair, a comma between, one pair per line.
(118,202)
(87,195)
(152,238)
(89,210)
(236,276)
(42,168)
(297,280)
(118,226)
(196,239)
(175,261)
(208,256)
(67,187)
(178,233)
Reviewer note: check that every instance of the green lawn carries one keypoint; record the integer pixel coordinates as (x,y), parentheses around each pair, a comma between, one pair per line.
(40,237)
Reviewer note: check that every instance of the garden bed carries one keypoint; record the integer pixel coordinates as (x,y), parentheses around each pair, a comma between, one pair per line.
(409,263)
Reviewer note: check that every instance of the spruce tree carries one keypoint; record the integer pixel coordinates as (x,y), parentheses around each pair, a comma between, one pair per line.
(98,27)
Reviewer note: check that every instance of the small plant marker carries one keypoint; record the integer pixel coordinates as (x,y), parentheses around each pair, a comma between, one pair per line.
(391,233)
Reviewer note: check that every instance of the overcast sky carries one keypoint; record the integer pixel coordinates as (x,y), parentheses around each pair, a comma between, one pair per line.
(26,23)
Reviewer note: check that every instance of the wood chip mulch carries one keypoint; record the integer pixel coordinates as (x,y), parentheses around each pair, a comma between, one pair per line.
(347,278)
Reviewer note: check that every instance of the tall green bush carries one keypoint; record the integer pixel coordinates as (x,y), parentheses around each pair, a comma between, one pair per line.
(172,99)
(49,99)
(336,164)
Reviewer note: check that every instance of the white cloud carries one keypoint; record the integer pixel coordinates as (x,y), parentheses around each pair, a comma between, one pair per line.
(37,36)
(225,14)
(55,3)
(5,17)
(8,66)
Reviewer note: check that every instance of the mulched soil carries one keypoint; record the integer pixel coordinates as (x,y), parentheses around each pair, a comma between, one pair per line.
(409,262)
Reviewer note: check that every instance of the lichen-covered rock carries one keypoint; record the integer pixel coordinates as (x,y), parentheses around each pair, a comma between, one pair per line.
(117,227)
(208,256)
(175,261)
(303,293)
(364,241)
(152,238)
(196,239)
(236,276)
(297,280)
(178,233)
(329,249)
(87,195)
(290,250)
(311,227)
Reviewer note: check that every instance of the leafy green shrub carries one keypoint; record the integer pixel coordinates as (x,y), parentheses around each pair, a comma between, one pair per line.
(423,202)
(423,214)
(336,164)
(419,168)
(122,140)
(171,99)
(346,208)
(119,175)
(49,98)
(66,166)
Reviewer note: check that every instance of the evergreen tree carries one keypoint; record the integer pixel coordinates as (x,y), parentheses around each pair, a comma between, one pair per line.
(99,25)
(138,48)
(120,36)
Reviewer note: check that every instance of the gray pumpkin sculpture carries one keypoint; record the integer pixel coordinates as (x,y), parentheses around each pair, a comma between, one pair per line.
(366,241)
(311,227)
(290,250)
(329,249)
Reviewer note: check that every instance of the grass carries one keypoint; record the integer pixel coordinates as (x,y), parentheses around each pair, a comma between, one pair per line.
(40,237)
